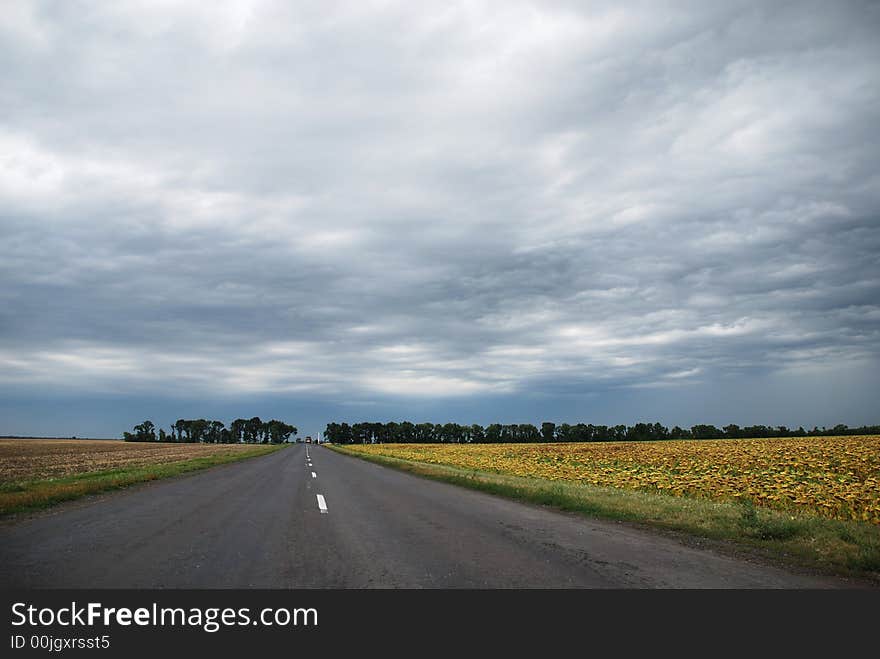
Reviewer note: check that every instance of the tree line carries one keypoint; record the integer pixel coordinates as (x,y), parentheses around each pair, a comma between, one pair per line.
(406,432)
(240,431)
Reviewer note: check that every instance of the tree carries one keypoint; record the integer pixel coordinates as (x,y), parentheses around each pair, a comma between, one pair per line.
(237,431)
(214,433)
(252,429)
(451,433)
(143,432)
(179,427)
(527,432)
(361,433)
(390,432)
(406,432)
(198,429)
(702,431)
(424,433)
(332,433)
(278,432)
(548,431)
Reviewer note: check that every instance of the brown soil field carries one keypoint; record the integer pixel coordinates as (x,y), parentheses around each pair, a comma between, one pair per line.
(39,459)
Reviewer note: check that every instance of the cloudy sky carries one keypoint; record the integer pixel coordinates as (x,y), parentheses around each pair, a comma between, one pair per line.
(470,212)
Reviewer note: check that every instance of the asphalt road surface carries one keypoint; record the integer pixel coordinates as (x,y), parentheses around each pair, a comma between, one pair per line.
(290,521)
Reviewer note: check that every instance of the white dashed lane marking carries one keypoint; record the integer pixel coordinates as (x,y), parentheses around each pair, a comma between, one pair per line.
(322,505)
(314,475)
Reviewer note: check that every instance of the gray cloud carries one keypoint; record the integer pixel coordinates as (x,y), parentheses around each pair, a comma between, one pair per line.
(367,202)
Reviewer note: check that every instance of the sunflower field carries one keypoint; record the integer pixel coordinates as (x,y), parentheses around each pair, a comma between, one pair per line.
(836,477)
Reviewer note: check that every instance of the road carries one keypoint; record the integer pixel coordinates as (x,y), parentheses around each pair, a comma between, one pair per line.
(260,524)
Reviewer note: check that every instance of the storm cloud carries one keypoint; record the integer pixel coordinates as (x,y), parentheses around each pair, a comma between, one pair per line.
(424,208)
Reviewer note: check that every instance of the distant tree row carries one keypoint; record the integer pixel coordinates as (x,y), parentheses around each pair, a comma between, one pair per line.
(452,433)
(240,431)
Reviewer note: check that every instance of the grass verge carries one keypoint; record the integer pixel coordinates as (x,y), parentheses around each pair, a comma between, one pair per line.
(25,496)
(831,546)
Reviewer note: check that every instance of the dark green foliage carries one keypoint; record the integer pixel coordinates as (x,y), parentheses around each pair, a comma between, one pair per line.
(406,432)
(644,432)
(241,431)
(143,432)
(706,432)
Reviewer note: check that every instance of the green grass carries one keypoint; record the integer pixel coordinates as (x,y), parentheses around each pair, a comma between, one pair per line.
(25,496)
(805,541)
